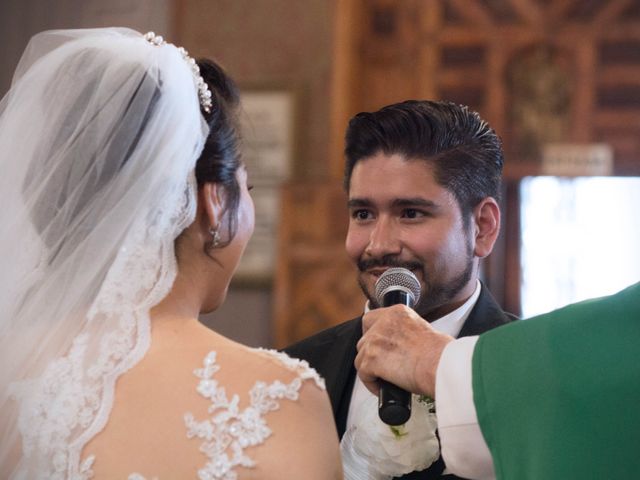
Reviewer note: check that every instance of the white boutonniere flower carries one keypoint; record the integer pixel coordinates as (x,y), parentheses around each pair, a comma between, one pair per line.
(372,449)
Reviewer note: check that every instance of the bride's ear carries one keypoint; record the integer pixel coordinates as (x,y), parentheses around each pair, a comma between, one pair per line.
(212,198)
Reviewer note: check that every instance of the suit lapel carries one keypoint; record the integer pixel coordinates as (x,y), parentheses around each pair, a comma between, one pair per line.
(485,315)
(344,373)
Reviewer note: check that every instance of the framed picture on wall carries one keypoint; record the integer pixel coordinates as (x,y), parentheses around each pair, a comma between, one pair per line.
(267,120)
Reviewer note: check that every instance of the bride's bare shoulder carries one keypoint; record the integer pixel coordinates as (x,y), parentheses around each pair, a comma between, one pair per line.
(188,378)
(303,441)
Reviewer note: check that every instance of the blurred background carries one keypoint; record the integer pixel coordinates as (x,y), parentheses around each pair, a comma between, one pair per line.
(559,80)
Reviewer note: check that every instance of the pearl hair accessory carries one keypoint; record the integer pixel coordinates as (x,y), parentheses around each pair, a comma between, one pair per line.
(204,94)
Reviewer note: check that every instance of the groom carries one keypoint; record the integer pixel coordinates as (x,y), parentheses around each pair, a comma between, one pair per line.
(423,179)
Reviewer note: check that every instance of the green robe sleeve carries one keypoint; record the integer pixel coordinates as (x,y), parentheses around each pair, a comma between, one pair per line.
(558,396)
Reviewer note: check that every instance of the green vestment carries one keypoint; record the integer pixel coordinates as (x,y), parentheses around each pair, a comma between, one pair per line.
(558,396)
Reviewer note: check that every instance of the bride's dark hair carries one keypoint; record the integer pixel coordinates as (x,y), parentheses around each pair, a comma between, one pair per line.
(221,157)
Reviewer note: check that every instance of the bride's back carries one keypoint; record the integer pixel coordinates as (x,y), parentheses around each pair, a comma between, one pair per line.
(187,407)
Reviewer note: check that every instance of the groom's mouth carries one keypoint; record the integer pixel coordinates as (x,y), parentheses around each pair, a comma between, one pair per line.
(376,272)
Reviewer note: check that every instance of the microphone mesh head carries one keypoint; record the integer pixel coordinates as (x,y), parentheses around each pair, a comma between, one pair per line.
(397,279)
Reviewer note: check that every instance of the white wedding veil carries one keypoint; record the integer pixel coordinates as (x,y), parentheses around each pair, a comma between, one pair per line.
(99,136)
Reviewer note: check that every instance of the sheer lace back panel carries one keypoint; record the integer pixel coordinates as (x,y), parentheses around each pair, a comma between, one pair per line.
(212,417)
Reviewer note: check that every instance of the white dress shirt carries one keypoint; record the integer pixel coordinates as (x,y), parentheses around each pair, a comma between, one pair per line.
(462,445)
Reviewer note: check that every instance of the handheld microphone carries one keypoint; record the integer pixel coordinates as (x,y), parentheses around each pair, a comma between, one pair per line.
(396,285)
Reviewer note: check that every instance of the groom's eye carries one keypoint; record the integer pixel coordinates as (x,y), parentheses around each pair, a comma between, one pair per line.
(361,214)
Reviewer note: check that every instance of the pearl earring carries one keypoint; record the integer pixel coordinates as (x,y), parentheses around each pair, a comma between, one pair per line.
(215,235)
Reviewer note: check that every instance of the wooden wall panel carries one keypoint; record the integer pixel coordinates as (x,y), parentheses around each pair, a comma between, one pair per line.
(315,281)
(463,51)
(538,71)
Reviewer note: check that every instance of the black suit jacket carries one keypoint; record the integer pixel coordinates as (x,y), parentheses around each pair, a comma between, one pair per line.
(333,351)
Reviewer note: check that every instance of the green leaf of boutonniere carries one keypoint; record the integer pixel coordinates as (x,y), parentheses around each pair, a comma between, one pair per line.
(398,431)
(429,402)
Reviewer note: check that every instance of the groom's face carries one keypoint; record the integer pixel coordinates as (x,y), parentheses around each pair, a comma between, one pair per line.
(401,217)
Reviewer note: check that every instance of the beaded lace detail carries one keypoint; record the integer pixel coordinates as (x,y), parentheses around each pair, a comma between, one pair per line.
(230,430)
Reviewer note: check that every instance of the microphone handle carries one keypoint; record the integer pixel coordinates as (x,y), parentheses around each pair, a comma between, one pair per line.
(394,403)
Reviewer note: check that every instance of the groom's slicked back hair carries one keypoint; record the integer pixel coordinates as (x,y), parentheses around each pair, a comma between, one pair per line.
(463,149)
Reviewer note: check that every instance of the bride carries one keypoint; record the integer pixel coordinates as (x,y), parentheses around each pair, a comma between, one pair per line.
(125,210)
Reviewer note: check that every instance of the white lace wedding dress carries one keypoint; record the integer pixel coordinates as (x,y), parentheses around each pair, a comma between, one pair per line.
(229,429)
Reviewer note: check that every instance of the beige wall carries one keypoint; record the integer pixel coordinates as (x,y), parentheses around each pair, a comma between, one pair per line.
(271,43)
(20,19)
(267,44)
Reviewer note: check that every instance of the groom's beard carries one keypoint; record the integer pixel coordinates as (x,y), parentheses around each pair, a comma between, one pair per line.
(435,293)
(438,294)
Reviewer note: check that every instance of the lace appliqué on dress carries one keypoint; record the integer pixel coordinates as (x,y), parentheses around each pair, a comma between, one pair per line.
(230,430)
(137,476)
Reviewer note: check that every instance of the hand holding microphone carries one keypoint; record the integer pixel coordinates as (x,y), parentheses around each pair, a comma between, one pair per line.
(400,346)
(396,286)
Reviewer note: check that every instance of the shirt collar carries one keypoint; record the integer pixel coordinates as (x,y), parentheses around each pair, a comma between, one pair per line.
(452,322)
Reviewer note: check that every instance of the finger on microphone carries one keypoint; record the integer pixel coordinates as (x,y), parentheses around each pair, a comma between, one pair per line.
(368,378)
(369,319)
(385,314)
(372,383)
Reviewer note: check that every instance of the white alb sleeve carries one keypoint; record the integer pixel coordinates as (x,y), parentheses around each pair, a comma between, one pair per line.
(463,447)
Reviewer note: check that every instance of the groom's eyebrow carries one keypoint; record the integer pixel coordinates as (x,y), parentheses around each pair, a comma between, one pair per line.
(414,202)
(398,203)
(359,202)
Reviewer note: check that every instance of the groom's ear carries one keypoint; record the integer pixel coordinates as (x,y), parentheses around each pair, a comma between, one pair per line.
(212,203)
(486,223)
